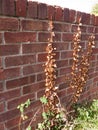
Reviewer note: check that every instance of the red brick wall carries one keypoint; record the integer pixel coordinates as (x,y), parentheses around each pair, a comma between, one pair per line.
(23,40)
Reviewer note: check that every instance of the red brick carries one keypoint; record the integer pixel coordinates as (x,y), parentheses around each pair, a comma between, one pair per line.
(90,29)
(10,94)
(85,37)
(58,14)
(34,25)
(0,6)
(66,27)
(8,7)
(10,73)
(12,122)
(62,93)
(42,11)
(32,69)
(64,71)
(43,37)
(78,16)
(1,86)
(19,60)
(72,16)
(51,12)
(96,20)
(0,37)
(67,54)
(57,27)
(40,93)
(57,37)
(19,37)
(67,37)
(62,63)
(85,18)
(96,29)
(27,89)
(83,28)
(32,9)
(92,19)
(34,48)
(66,14)
(20,82)
(2,106)
(12,104)
(6,50)
(61,46)
(21,6)
(1,126)
(9,24)
(42,57)
(60,79)
(40,76)
(8,115)
(35,87)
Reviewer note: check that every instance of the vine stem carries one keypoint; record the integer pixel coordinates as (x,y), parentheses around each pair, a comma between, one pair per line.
(34,117)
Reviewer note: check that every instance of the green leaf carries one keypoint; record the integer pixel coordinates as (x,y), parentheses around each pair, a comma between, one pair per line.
(44,114)
(29,128)
(43,100)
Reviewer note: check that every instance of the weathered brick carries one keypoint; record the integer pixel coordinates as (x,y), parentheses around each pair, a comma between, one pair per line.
(9,24)
(18,37)
(32,69)
(58,14)
(85,18)
(34,26)
(42,11)
(67,37)
(96,20)
(8,7)
(21,6)
(90,29)
(51,12)
(92,19)
(6,50)
(19,60)
(15,83)
(10,73)
(66,14)
(34,48)
(32,9)
(83,28)
(78,16)
(72,16)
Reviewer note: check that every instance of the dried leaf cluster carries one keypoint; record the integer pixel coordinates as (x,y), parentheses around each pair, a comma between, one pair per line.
(50,72)
(81,63)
